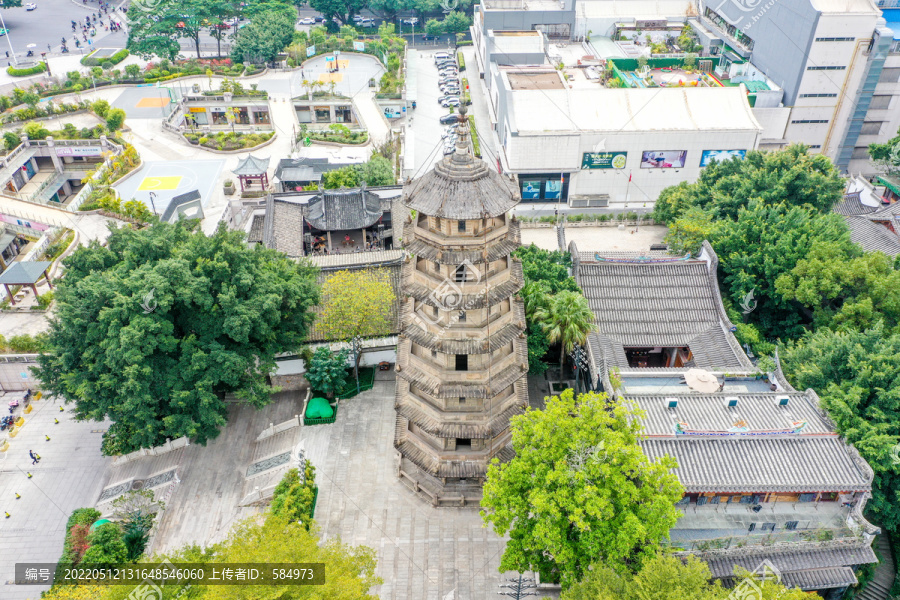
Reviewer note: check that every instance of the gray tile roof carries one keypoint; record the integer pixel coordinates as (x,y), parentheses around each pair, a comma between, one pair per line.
(24,272)
(851,205)
(177,202)
(339,210)
(649,304)
(462,187)
(782,463)
(873,237)
(708,412)
(888,212)
(811,580)
(794,560)
(304,169)
(256,229)
(284,226)
(251,165)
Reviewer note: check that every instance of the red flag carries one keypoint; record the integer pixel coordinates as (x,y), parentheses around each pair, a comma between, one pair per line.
(629,176)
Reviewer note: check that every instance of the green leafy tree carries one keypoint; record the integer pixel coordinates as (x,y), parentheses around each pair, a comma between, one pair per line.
(665,577)
(567,322)
(106,546)
(456,22)
(356,303)
(549,267)
(790,176)
(153,29)
(261,41)
(766,241)
(377,171)
(538,346)
(132,71)
(842,291)
(294,496)
(342,9)
(579,490)
(887,155)
(389,9)
(152,330)
(349,571)
(10,140)
(115,119)
(101,107)
(327,370)
(433,27)
(857,376)
(689,230)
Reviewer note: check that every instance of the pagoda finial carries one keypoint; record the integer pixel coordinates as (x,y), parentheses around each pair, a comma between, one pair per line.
(462,131)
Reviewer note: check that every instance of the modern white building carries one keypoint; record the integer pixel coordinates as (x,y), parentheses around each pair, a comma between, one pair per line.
(593,146)
(837,61)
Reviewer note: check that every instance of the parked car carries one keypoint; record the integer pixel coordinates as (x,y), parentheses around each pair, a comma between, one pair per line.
(307,21)
(427,37)
(448,62)
(448,78)
(448,71)
(441,56)
(357,18)
(319,19)
(30,6)
(450,102)
(411,21)
(366,23)
(445,96)
(447,119)
(448,88)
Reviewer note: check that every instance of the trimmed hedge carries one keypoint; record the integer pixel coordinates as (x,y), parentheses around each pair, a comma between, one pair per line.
(461,61)
(38,68)
(115,59)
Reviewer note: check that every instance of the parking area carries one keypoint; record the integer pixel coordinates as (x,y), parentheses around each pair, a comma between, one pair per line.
(424,125)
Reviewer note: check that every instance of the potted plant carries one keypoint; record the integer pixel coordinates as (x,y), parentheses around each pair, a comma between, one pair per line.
(229,187)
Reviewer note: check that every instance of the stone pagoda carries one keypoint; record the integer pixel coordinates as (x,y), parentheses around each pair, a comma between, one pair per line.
(462,355)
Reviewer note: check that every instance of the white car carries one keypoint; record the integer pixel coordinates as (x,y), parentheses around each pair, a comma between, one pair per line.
(307,21)
(412,21)
(30,6)
(450,102)
(233,21)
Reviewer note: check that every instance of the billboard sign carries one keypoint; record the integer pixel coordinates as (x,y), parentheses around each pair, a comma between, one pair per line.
(79,151)
(603,160)
(720,156)
(663,159)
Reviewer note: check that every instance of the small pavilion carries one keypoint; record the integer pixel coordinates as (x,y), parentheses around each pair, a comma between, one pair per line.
(25,273)
(250,169)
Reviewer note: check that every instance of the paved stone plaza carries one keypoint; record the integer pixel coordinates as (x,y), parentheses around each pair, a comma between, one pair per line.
(69,475)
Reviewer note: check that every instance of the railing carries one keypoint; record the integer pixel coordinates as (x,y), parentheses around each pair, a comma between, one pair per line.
(41,245)
(781,538)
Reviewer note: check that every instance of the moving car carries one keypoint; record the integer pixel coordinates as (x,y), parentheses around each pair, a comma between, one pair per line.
(30,6)
(427,37)
(412,21)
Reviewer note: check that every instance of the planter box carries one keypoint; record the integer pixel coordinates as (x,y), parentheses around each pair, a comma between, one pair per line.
(229,191)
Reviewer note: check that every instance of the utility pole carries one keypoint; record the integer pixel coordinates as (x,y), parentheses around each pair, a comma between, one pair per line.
(518,588)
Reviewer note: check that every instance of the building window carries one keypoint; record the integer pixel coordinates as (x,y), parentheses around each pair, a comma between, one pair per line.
(714,500)
(818,95)
(815,146)
(460,274)
(434,354)
(544,186)
(791,525)
(768,526)
(730,29)
(261,117)
(826,68)
(323,114)
(461,226)
(808,121)
(807,498)
(882,102)
(890,75)
(836,39)
(436,312)
(462,400)
(436,266)
(462,316)
(462,362)
(463,443)
(701,500)
(871,128)
(746,499)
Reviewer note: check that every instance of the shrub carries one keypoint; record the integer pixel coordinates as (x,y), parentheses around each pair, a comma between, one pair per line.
(293,498)
(35,131)
(100,108)
(115,119)
(27,72)
(106,65)
(461,60)
(133,70)
(44,300)
(90,61)
(10,140)
(77,527)
(106,546)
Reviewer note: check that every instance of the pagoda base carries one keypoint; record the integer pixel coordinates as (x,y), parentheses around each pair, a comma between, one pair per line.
(439,493)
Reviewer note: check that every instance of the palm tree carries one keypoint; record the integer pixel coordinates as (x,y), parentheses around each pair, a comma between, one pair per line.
(536,296)
(567,322)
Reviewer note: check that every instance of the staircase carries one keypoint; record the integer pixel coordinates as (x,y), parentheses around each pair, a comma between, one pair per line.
(880,585)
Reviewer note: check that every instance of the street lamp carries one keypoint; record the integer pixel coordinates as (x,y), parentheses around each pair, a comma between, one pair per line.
(152,203)
(9,41)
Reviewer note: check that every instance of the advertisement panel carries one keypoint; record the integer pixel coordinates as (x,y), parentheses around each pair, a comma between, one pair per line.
(79,151)
(359,46)
(720,155)
(531,190)
(663,159)
(603,160)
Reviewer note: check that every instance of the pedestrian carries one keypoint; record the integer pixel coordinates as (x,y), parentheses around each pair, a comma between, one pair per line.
(34,458)
(7,54)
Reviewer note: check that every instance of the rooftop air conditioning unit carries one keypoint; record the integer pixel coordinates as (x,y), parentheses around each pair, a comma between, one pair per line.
(671,402)
(731,402)
(781,400)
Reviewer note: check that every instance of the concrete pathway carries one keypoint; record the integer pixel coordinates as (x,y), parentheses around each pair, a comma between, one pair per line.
(69,476)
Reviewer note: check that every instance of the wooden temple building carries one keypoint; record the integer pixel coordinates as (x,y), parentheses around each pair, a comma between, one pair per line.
(461,356)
